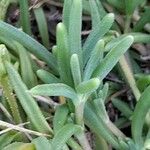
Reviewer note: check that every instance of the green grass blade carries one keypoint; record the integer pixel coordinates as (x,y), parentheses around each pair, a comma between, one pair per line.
(112,57)
(27,73)
(96,34)
(42,25)
(28,103)
(25,16)
(75,69)
(88,86)
(32,45)
(95,58)
(64,135)
(47,77)
(141,109)
(57,89)
(75,26)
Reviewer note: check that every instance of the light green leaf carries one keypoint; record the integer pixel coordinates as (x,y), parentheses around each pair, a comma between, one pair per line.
(143,20)
(20,146)
(28,103)
(42,25)
(57,89)
(63,135)
(95,58)
(27,73)
(141,109)
(47,77)
(122,107)
(75,69)
(131,5)
(6,139)
(38,50)
(118,4)
(42,143)
(98,126)
(66,12)
(96,34)
(25,16)
(60,117)
(63,54)
(88,86)
(75,26)
(112,57)
(95,16)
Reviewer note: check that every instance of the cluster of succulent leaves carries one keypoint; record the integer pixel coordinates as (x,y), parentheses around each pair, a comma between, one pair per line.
(75,71)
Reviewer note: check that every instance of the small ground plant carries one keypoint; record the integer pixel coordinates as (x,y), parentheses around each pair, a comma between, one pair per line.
(55,96)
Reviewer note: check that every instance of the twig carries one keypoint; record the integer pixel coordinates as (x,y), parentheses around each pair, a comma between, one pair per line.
(21,129)
(46,100)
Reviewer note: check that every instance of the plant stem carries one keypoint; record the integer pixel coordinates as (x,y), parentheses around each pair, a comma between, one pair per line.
(79,112)
(129,76)
(127,24)
(11,100)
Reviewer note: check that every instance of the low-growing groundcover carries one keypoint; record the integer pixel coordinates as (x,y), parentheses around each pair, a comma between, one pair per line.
(85,87)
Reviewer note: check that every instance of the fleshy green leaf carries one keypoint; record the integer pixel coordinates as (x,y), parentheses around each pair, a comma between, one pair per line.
(63,54)
(58,89)
(42,25)
(25,16)
(94,13)
(20,146)
(95,58)
(28,103)
(47,77)
(143,20)
(27,73)
(60,117)
(122,107)
(75,69)
(66,12)
(42,143)
(32,45)
(131,5)
(117,3)
(96,34)
(63,135)
(75,25)
(138,120)
(112,57)
(98,127)
(6,139)
(88,86)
